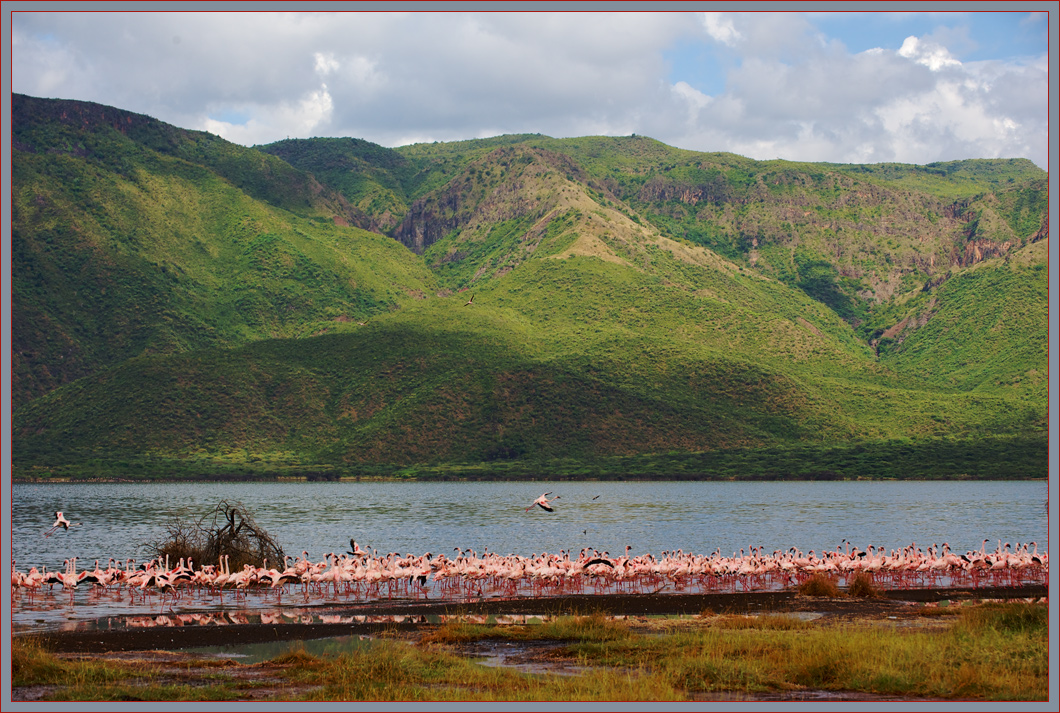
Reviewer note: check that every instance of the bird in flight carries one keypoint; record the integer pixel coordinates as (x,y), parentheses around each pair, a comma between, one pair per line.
(470,300)
(62,522)
(543,502)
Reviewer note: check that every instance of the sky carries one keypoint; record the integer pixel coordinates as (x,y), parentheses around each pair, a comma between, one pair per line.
(848,87)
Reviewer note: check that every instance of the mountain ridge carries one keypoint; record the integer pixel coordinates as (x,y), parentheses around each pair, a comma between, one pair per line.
(632,300)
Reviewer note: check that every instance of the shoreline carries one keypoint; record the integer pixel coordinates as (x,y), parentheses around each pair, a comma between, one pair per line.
(504,479)
(410,616)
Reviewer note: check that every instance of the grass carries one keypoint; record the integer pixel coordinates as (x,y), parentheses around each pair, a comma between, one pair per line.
(95,680)
(593,627)
(823,585)
(820,585)
(990,652)
(862,587)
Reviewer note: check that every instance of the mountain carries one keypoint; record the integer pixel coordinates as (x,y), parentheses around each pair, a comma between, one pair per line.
(132,237)
(186,306)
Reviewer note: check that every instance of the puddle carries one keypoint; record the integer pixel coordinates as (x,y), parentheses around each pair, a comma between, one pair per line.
(533,657)
(257,653)
(269,617)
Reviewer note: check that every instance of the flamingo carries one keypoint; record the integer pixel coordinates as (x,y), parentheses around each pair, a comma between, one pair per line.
(62,522)
(543,502)
(69,577)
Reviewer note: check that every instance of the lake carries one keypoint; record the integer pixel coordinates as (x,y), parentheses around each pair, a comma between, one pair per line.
(119,520)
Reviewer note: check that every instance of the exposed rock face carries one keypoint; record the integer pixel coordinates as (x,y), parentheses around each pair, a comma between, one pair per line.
(1042,232)
(661,188)
(503,185)
(423,225)
(979,250)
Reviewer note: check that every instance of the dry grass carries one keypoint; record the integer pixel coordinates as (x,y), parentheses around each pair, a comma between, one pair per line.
(820,585)
(32,664)
(986,652)
(778,622)
(592,627)
(863,587)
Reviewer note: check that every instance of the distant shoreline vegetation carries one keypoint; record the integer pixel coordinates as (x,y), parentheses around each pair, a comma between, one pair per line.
(1015,458)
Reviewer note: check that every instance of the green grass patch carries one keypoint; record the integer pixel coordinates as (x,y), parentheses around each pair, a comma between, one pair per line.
(990,652)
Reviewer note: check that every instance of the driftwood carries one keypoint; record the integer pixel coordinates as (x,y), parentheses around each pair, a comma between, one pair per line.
(227,530)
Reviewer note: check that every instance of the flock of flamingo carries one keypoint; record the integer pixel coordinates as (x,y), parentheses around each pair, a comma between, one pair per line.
(467,575)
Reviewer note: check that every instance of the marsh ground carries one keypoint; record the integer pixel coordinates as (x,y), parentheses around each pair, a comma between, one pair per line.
(212,662)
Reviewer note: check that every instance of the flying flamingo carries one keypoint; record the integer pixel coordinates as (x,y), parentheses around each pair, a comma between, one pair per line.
(62,522)
(543,502)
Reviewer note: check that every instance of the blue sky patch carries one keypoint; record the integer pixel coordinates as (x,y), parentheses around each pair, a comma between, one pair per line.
(698,64)
(231,116)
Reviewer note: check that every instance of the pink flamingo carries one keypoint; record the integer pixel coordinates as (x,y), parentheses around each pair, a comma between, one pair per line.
(543,502)
(62,522)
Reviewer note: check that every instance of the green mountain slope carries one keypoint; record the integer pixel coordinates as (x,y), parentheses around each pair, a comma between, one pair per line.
(119,249)
(637,308)
(983,330)
(440,382)
(372,178)
(854,237)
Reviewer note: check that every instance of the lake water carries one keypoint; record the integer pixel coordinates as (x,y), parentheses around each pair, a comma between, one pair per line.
(119,520)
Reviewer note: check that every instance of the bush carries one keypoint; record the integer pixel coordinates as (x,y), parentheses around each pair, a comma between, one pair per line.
(820,586)
(863,587)
(228,530)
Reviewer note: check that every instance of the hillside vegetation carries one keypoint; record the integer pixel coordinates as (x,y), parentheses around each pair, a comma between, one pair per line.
(515,307)
(130,237)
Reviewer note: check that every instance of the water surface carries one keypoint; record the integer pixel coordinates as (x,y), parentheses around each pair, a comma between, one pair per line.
(121,520)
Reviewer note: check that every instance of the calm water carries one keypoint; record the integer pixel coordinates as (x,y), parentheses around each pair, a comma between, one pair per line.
(119,520)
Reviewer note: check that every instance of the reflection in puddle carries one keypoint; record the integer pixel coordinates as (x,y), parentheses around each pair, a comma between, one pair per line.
(280,617)
(518,656)
(259,652)
(524,657)
(95,609)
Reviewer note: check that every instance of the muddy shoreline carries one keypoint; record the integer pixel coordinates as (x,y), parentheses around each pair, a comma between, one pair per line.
(895,603)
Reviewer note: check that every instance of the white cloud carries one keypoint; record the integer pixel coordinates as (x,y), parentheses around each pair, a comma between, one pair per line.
(393,78)
(721,28)
(325,64)
(696,100)
(931,55)
(795,96)
(302,118)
